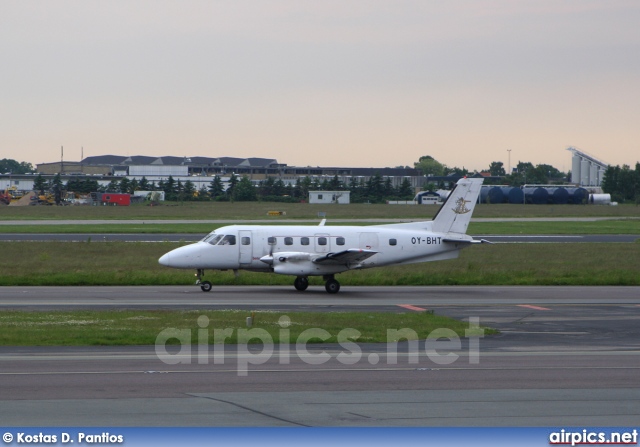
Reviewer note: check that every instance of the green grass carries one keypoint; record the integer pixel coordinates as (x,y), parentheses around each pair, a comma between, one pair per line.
(258,210)
(138,327)
(598,227)
(121,263)
(620,226)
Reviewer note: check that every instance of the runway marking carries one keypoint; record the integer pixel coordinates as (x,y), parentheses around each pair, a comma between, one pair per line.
(410,307)
(324,370)
(529,306)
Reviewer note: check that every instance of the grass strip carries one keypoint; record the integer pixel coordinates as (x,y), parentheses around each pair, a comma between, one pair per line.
(259,210)
(142,327)
(131,263)
(599,227)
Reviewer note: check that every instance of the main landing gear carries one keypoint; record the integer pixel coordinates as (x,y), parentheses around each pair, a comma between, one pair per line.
(331,285)
(301,283)
(205,286)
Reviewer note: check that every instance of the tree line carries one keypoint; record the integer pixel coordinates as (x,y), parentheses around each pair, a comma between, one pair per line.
(374,190)
(623,183)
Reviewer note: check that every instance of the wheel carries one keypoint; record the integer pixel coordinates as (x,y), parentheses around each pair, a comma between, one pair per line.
(301,283)
(332,286)
(205,286)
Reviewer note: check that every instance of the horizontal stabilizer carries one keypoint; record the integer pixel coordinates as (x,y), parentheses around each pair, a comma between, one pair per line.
(466,241)
(353,255)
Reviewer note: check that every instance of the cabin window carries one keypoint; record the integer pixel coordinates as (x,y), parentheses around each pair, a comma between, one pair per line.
(322,241)
(245,240)
(304,240)
(216,239)
(340,240)
(393,242)
(228,240)
(288,241)
(271,240)
(319,196)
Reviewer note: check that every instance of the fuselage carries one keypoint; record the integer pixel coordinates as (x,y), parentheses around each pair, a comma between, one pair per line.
(246,246)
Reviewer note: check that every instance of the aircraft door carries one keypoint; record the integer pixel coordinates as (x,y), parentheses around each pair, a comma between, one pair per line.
(246,244)
(369,241)
(323,242)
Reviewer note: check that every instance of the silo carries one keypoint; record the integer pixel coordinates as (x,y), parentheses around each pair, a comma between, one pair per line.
(585,171)
(601,172)
(537,196)
(516,196)
(559,196)
(593,175)
(575,169)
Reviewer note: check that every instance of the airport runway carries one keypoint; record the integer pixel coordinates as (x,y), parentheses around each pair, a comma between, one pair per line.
(566,356)
(190,237)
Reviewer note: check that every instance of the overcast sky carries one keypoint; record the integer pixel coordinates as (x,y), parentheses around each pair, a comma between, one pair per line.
(331,83)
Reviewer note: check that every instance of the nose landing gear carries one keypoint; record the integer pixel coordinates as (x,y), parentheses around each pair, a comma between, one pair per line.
(205,286)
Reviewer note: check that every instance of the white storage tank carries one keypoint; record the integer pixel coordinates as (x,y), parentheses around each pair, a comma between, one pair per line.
(600,199)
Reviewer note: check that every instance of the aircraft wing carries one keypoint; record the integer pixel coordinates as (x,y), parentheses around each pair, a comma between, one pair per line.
(346,257)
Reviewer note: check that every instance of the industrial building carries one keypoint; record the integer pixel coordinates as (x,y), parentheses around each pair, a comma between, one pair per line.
(586,170)
(197,169)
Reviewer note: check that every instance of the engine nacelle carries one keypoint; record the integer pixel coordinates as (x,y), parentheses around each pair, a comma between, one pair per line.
(301,264)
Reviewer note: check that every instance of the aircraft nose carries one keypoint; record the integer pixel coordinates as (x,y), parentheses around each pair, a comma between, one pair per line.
(183,257)
(165,260)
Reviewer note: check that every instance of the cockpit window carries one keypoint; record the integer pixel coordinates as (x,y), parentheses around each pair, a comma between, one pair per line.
(228,240)
(208,237)
(215,240)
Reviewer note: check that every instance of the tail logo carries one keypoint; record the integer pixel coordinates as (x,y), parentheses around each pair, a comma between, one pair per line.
(461,206)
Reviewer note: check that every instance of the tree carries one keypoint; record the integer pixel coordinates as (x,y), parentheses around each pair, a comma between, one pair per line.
(40,184)
(15,167)
(430,166)
(298,194)
(622,183)
(388,190)
(203,194)
(125,185)
(216,188)
(267,188)
(189,190)
(335,184)
(460,171)
(170,189)
(405,191)
(496,168)
(144,184)
(375,188)
(233,182)
(244,191)
(113,186)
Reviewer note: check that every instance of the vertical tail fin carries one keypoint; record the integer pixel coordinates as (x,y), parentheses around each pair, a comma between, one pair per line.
(455,214)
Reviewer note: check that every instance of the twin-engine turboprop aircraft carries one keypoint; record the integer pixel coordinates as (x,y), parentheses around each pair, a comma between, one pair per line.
(303,251)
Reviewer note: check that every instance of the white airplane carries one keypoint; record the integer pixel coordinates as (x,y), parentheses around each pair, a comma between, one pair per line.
(303,250)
